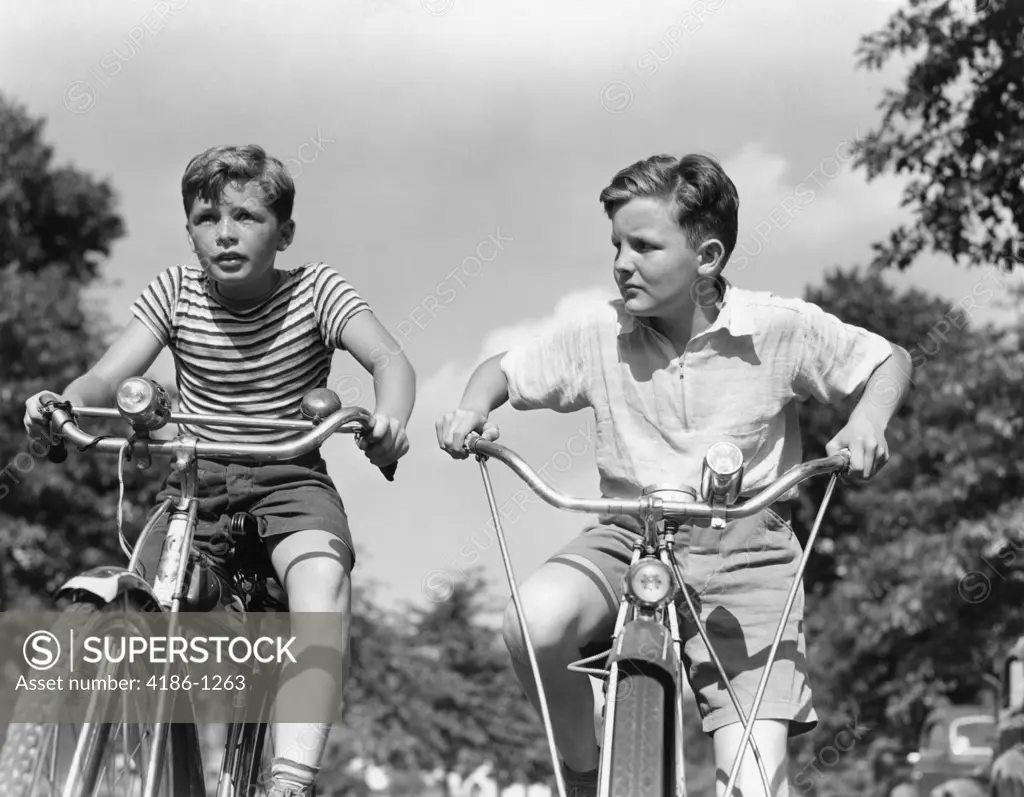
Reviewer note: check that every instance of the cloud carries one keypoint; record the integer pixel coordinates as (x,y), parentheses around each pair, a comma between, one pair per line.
(444,386)
(826,207)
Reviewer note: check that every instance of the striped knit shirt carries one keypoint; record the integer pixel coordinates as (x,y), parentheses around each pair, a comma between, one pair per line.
(259,361)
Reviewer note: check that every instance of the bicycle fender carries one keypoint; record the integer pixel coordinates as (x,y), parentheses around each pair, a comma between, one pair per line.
(108,583)
(645,641)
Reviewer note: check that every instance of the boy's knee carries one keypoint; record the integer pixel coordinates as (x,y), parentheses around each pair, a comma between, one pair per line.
(323,587)
(549,631)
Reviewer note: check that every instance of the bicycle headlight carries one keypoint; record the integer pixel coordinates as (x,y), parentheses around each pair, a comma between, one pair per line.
(143,403)
(649,582)
(722,474)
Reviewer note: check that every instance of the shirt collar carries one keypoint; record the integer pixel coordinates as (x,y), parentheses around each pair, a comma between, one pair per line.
(733,315)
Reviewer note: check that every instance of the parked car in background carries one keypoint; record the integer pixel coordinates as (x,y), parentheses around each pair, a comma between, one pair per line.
(954,756)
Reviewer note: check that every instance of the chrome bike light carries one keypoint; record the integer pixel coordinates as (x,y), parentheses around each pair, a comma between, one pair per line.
(143,403)
(722,474)
(649,583)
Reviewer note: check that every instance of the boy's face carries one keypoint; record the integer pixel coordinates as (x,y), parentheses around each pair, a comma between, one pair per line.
(238,238)
(655,267)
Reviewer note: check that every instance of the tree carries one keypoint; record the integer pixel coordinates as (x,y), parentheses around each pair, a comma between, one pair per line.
(918,573)
(49,215)
(55,225)
(956,129)
(482,715)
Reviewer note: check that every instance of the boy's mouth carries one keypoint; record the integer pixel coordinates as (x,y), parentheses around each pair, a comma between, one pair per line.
(229,259)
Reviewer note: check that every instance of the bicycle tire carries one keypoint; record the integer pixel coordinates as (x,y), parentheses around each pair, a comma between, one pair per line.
(254,737)
(642,713)
(23,749)
(243,763)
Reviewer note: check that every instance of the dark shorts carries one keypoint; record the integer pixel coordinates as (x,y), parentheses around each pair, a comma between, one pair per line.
(286,497)
(738,578)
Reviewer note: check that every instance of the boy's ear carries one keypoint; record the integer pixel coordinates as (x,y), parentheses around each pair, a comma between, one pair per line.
(191,243)
(712,258)
(285,235)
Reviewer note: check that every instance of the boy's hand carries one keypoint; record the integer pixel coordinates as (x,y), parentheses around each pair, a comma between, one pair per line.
(455,427)
(36,426)
(868,450)
(386,442)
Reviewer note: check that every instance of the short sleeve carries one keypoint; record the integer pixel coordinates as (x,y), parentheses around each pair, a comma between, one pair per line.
(549,371)
(837,358)
(335,302)
(155,306)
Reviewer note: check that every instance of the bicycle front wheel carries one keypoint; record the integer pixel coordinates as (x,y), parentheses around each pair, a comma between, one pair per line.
(96,759)
(642,708)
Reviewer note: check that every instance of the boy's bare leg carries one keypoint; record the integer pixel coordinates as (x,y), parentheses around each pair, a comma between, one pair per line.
(314,568)
(564,610)
(771,737)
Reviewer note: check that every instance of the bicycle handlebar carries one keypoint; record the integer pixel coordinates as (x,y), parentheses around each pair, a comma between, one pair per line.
(62,425)
(640,507)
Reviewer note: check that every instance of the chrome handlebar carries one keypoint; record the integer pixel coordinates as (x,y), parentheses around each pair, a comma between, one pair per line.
(646,505)
(63,425)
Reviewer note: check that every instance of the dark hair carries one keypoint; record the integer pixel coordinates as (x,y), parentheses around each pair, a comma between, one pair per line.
(207,175)
(706,200)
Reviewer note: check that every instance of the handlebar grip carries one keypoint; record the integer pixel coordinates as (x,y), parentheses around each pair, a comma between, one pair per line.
(58,451)
(389,471)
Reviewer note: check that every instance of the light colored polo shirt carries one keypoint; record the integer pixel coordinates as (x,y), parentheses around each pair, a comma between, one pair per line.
(657,413)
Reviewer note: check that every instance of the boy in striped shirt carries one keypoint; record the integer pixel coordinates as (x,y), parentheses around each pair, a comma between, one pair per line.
(248,338)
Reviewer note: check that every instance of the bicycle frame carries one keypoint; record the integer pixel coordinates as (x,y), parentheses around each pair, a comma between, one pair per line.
(168,593)
(108,583)
(647,631)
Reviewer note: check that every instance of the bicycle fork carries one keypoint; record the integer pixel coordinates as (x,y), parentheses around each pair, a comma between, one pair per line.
(646,640)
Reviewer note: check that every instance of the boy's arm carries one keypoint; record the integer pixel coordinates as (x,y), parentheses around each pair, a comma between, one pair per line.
(486,390)
(546,372)
(886,390)
(394,385)
(134,351)
(131,354)
(864,433)
(838,360)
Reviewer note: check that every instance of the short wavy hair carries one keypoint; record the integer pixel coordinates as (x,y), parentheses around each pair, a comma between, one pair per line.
(707,203)
(208,173)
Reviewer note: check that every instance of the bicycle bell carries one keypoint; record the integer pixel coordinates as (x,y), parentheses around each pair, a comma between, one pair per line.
(320,403)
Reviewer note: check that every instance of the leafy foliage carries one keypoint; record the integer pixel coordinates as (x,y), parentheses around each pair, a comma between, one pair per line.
(49,215)
(57,519)
(956,128)
(917,574)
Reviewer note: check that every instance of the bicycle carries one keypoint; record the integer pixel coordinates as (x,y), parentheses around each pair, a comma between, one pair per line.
(183,583)
(642,675)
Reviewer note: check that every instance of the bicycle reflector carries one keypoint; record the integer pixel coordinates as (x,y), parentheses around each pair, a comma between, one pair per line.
(143,403)
(722,474)
(649,583)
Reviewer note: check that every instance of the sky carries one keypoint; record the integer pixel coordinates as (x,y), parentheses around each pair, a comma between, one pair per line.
(448,156)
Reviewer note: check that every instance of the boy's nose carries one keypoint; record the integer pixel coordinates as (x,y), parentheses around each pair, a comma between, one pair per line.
(226,230)
(623,266)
